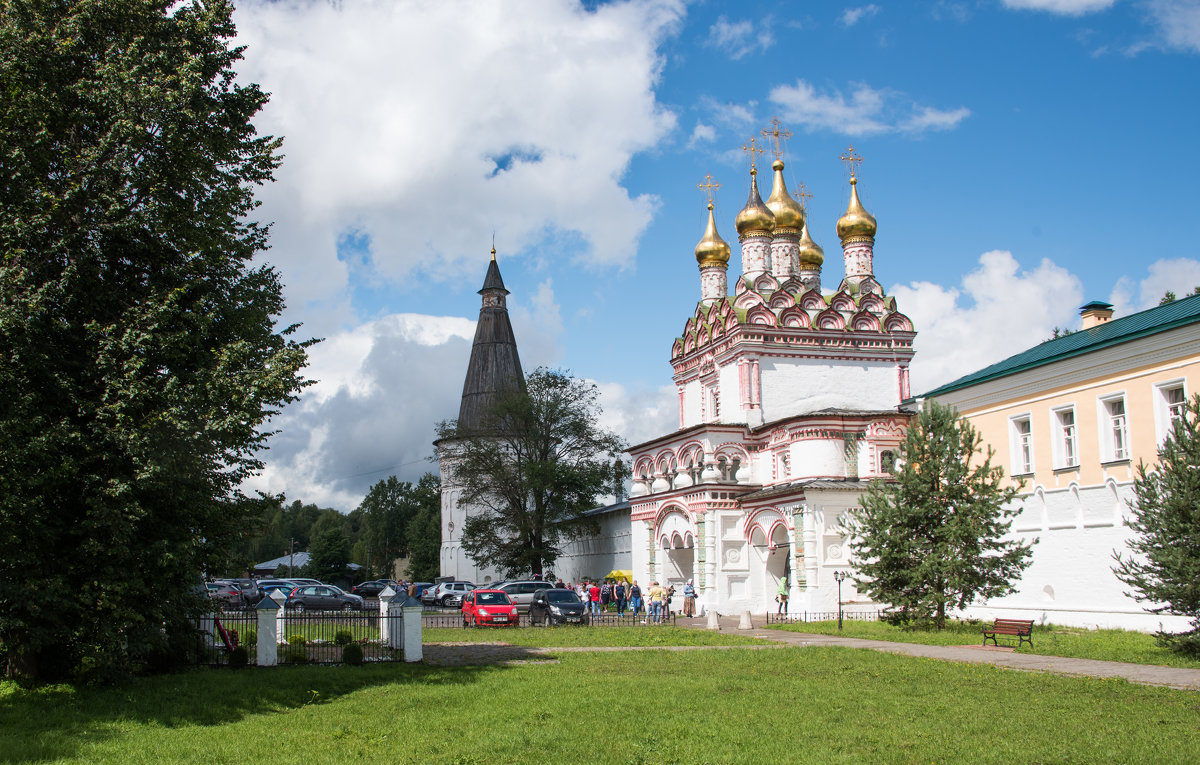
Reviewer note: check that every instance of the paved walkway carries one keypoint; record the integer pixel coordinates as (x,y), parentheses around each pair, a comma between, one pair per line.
(1144,674)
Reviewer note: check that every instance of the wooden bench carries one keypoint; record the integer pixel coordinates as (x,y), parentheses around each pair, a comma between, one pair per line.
(1020,628)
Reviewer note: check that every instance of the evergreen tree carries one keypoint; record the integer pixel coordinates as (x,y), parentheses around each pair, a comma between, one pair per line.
(1165,566)
(540,463)
(932,539)
(140,353)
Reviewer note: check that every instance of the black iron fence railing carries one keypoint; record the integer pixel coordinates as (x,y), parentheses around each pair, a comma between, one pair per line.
(800,617)
(309,637)
(433,618)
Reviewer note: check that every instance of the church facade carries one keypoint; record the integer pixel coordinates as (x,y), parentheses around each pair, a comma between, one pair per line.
(789,398)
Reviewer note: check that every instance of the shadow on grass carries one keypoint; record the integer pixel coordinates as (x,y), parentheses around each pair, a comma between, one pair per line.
(56,722)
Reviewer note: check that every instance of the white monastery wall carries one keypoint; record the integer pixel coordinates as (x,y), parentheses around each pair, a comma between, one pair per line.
(594,556)
(789,389)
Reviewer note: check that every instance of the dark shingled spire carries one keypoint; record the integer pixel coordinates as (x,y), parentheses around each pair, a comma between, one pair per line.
(495,367)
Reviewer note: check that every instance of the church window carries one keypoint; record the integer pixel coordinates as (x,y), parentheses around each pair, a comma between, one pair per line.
(1066,452)
(887,461)
(1114,429)
(1021,434)
(715,399)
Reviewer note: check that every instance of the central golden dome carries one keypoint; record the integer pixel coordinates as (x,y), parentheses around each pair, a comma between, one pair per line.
(857,223)
(788,212)
(712,250)
(755,217)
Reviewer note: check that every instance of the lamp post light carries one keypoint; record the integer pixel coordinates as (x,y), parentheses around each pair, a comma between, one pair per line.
(840,576)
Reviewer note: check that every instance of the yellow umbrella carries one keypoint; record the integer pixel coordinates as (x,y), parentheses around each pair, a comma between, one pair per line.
(618,574)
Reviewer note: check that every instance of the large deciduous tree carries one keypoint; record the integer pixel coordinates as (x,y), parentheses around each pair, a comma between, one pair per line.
(933,538)
(387,511)
(531,472)
(1165,566)
(140,353)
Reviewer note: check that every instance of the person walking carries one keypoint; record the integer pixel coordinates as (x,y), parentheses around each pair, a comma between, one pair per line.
(594,599)
(620,592)
(656,596)
(782,597)
(635,598)
(689,599)
(606,597)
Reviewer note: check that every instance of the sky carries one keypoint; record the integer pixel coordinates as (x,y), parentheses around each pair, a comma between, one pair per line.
(1022,157)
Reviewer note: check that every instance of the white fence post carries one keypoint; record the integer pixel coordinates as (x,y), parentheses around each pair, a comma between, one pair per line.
(387,631)
(267,651)
(411,625)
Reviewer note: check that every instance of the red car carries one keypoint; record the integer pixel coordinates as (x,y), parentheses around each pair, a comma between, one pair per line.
(488,607)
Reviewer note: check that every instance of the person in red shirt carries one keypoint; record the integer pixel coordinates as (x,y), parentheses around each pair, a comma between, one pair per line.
(594,598)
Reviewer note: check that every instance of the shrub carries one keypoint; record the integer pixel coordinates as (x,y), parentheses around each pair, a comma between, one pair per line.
(239,657)
(343,637)
(296,640)
(353,655)
(296,654)
(250,638)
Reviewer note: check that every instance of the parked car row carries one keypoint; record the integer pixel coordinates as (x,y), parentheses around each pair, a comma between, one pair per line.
(496,607)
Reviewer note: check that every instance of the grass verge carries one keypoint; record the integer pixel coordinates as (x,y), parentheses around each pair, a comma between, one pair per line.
(574,636)
(821,705)
(1048,640)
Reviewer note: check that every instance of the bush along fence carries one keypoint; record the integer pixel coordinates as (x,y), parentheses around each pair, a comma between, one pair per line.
(272,634)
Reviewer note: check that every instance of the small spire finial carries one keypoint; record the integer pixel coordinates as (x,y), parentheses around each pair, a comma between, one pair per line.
(852,160)
(776,136)
(804,195)
(708,187)
(493,245)
(753,150)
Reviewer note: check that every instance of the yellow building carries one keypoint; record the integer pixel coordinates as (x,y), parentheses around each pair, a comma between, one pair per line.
(1072,418)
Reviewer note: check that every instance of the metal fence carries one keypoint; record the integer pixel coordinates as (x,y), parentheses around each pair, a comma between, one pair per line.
(436,618)
(800,617)
(310,637)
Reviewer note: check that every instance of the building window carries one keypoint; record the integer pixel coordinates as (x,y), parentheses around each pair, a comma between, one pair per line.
(1114,429)
(714,403)
(1022,445)
(785,466)
(1066,451)
(887,461)
(1170,403)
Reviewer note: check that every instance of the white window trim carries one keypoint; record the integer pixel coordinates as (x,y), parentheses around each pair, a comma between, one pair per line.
(1020,443)
(1058,447)
(1162,412)
(1108,451)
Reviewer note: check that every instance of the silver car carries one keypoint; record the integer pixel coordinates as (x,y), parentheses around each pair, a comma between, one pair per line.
(522,592)
(447,593)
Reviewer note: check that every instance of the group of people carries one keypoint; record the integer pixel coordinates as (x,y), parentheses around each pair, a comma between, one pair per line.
(601,597)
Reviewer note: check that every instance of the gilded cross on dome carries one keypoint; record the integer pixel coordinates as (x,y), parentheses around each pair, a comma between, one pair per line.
(776,136)
(708,187)
(753,150)
(852,159)
(804,195)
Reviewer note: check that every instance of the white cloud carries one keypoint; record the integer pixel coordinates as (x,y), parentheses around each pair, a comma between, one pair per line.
(740,39)
(867,111)
(1060,7)
(422,127)
(1178,275)
(638,416)
(702,134)
(997,311)
(852,16)
(1178,23)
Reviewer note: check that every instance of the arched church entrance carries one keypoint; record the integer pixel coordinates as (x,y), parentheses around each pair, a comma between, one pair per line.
(677,545)
(770,558)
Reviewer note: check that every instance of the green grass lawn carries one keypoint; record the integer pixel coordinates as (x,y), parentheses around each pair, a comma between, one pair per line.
(572,636)
(820,705)
(1048,640)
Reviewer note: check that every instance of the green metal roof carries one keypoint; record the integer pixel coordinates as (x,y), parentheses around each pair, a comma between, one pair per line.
(1142,324)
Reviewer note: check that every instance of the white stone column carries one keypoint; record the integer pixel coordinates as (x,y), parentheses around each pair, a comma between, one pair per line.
(410,615)
(387,627)
(270,629)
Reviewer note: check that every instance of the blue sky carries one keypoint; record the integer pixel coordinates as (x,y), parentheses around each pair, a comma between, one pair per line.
(1021,158)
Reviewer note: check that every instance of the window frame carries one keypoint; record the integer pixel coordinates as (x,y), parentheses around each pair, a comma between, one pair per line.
(1108,430)
(1023,460)
(1065,446)
(1164,408)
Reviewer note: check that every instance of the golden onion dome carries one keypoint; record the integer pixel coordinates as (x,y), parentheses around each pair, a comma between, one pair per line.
(788,212)
(712,250)
(755,217)
(857,223)
(810,253)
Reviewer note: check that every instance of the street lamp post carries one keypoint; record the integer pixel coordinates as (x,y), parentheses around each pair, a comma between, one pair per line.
(840,576)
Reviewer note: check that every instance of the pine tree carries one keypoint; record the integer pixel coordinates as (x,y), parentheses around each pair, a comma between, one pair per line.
(933,539)
(1165,566)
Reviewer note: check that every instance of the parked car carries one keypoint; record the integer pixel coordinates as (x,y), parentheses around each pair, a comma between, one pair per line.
(422,587)
(224,593)
(446,593)
(556,607)
(372,589)
(323,597)
(488,607)
(522,592)
(251,594)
